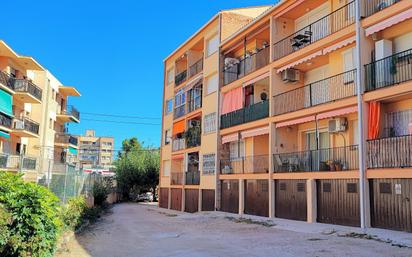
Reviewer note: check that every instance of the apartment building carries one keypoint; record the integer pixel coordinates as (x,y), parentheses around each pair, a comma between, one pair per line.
(315,114)
(95,150)
(33,112)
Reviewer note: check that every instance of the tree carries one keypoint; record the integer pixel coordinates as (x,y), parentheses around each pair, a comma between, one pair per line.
(137,168)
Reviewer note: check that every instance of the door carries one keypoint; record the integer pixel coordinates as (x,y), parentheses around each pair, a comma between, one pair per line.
(318,92)
(291,199)
(257,197)
(176,199)
(191,200)
(391,205)
(208,200)
(164,198)
(318,28)
(321,156)
(338,201)
(230,196)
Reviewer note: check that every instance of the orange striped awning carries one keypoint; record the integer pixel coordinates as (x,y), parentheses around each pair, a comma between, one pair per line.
(179,127)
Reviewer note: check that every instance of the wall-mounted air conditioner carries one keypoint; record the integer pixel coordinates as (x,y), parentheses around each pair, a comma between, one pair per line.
(290,75)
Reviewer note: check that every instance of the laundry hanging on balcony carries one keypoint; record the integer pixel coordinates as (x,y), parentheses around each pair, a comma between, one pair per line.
(374,120)
(232,100)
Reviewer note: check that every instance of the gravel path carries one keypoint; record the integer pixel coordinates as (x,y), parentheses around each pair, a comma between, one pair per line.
(141,230)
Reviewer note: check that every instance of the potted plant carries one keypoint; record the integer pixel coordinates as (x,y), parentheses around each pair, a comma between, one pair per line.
(338,165)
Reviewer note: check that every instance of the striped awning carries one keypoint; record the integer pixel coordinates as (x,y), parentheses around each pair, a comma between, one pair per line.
(389,22)
(255,132)
(336,113)
(230,138)
(338,45)
(302,60)
(295,121)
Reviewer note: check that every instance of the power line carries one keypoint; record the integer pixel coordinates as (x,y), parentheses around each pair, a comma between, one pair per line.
(121,116)
(124,122)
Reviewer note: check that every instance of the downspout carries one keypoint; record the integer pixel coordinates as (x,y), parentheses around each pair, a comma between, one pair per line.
(218,139)
(362,179)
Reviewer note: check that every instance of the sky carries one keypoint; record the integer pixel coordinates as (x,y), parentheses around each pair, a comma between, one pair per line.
(111,51)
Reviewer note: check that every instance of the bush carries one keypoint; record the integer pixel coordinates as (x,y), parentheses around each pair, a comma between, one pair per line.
(35,217)
(100,193)
(5,222)
(72,213)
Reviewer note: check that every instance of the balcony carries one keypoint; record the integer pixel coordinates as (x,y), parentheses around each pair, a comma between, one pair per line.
(389,71)
(5,82)
(25,127)
(331,23)
(65,139)
(374,6)
(194,99)
(390,152)
(324,91)
(178,144)
(5,121)
(193,136)
(180,78)
(247,114)
(70,114)
(17,162)
(247,65)
(179,111)
(192,178)
(196,68)
(26,91)
(256,164)
(330,159)
(176,178)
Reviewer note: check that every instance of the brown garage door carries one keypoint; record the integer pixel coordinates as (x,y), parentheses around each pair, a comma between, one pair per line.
(338,201)
(176,199)
(257,197)
(208,200)
(291,200)
(391,205)
(230,196)
(191,200)
(164,198)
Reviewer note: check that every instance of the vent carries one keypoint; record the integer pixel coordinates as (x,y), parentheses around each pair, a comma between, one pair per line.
(301,187)
(282,186)
(352,188)
(385,188)
(337,125)
(327,187)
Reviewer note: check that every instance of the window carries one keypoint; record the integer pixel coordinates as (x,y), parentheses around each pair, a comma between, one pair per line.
(167,137)
(50,123)
(209,123)
(180,99)
(53,94)
(170,76)
(209,163)
(212,84)
(212,45)
(237,149)
(166,168)
(348,65)
(169,106)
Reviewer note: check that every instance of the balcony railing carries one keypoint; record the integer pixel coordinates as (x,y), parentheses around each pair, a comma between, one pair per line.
(179,111)
(5,120)
(9,161)
(251,113)
(374,6)
(26,124)
(389,71)
(249,164)
(329,159)
(390,152)
(180,78)
(23,85)
(178,144)
(247,65)
(62,138)
(71,111)
(193,137)
(192,178)
(319,29)
(327,90)
(5,79)
(176,178)
(196,68)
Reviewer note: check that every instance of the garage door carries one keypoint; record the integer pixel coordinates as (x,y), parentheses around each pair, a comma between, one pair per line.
(230,196)
(391,205)
(191,200)
(208,200)
(291,200)
(338,201)
(257,197)
(176,199)
(164,198)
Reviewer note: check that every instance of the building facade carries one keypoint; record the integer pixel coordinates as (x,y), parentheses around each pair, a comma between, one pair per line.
(95,150)
(315,115)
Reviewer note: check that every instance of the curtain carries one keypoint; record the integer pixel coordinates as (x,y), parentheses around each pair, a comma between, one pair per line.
(374,120)
(232,100)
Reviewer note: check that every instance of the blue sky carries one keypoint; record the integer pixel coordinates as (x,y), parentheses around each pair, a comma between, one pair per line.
(112,51)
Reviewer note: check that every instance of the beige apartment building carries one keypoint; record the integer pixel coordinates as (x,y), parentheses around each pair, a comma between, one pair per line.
(314,108)
(95,150)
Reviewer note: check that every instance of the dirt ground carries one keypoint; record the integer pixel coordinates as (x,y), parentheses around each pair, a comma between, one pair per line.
(143,230)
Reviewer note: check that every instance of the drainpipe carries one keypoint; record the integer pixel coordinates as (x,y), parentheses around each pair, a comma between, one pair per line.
(362,177)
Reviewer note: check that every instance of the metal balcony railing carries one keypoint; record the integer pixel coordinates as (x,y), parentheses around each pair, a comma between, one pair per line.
(390,152)
(178,144)
(63,138)
(176,178)
(180,78)
(327,90)
(374,6)
(251,113)
(241,165)
(329,159)
(17,162)
(26,124)
(192,178)
(389,71)
(179,111)
(331,23)
(71,111)
(196,68)
(5,79)
(26,86)
(247,65)
(5,120)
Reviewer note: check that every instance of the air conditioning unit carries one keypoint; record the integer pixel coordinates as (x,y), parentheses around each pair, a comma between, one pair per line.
(337,125)
(290,75)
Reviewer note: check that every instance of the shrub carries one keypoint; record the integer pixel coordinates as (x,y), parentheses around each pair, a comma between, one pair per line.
(5,221)
(35,220)
(100,193)
(73,212)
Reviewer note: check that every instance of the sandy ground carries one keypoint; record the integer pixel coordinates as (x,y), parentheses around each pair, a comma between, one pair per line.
(143,230)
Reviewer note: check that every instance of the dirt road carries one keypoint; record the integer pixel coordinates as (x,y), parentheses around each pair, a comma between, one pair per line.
(138,230)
